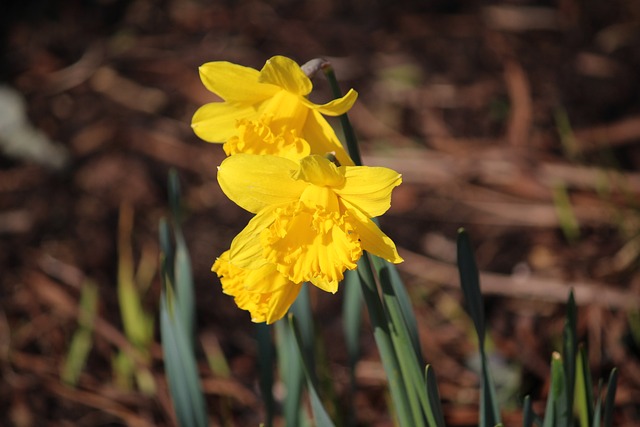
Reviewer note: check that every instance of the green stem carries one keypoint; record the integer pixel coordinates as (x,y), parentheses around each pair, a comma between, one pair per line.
(349,134)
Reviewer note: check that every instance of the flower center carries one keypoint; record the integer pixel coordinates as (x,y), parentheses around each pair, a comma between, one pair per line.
(311,244)
(258,137)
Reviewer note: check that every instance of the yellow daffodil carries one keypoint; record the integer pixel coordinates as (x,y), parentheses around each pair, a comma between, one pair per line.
(264,292)
(270,101)
(313,218)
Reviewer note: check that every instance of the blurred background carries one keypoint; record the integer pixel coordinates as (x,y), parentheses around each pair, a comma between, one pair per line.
(518,120)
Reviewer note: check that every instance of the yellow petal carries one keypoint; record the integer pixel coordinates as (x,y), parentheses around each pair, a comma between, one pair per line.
(246,251)
(319,171)
(266,279)
(285,111)
(322,198)
(337,107)
(216,122)
(235,83)
(281,301)
(284,72)
(372,238)
(323,139)
(268,300)
(325,285)
(254,182)
(369,188)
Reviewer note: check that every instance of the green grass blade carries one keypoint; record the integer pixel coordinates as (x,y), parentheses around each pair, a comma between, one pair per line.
(570,351)
(175,196)
(609,400)
(566,216)
(320,415)
(352,324)
(470,283)
(352,315)
(596,421)
(291,372)
(301,309)
(166,249)
(436,417)
(382,336)
(527,412)
(416,389)
(583,395)
(183,281)
(393,288)
(180,364)
(555,412)
(266,365)
(407,355)
(82,339)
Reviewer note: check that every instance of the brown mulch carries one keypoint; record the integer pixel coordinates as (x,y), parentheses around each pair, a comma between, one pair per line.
(519,121)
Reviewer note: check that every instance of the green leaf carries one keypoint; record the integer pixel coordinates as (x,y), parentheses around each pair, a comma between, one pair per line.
(393,288)
(320,415)
(435,417)
(609,401)
(82,340)
(384,342)
(180,364)
(470,283)
(583,396)
(166,249)
(352,324)
(527,412)
(301,309)
(183,281)
(291,371)
(555,412)
(597,412)
(570,350)
(175,196)
(266,365)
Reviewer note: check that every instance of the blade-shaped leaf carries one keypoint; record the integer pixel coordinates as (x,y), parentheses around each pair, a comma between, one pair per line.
(609,400)
(393,287)
(382,336)
(352,324)
(570,350)
(320,414)
(180,364)
(583,394)
(290,366)
(301,309)
(266,365)
(436,417)
(555,411)
(527,412)
(470,283)
(183,282)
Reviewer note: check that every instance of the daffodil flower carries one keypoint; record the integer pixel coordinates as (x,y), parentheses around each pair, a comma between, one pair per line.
(264,292)
(274,97)
(313,218)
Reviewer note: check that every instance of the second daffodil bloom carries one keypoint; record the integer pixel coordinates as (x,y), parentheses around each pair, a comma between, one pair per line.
(313,221)
(267,111)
